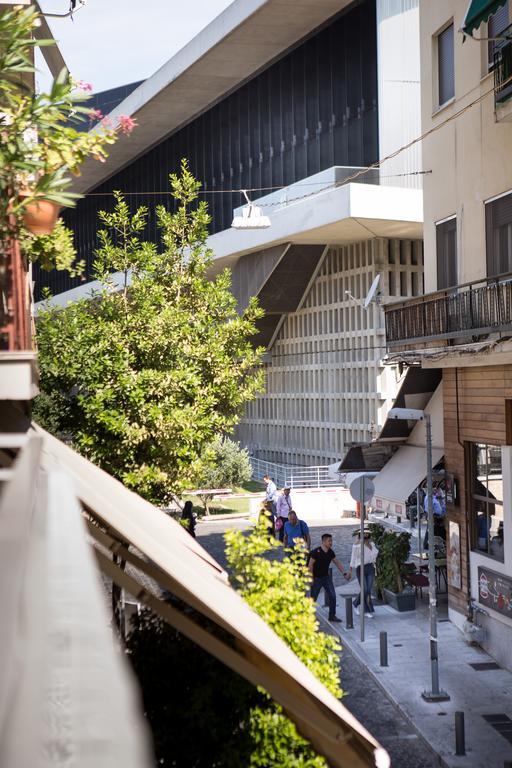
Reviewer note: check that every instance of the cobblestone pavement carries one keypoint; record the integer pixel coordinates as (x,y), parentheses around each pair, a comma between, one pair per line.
(363,697)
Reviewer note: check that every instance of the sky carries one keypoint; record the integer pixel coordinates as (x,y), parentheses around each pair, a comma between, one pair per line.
(113,42)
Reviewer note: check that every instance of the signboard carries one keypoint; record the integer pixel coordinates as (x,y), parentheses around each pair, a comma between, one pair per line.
(453,561)
(356,489)
(495,591)
(450,489)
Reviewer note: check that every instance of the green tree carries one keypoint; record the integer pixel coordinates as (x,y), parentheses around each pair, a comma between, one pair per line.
(202,713)
(276,589)
(143,375)
(226,465)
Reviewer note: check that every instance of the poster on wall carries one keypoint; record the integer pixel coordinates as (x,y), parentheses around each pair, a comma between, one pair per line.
(454,574)
(495,591)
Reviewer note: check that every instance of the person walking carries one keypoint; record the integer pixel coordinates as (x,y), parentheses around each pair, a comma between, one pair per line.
(188,518)
(371,553)
(284,507)
(270,494)
(319,561)
(295,530)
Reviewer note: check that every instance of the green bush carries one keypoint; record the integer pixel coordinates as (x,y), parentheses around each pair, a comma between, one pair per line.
(394,550)
(276,589)
(202,714)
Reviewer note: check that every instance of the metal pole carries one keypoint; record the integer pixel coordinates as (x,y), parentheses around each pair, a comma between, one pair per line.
(349,618)
(383,636)
(460,736)
(435,694)
(418,506)
(361,566)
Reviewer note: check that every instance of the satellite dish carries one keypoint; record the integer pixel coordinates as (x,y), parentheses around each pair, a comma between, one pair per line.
(370,296)
(371,293)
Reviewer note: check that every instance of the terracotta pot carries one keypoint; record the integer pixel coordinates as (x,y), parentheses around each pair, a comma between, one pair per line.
(41,216)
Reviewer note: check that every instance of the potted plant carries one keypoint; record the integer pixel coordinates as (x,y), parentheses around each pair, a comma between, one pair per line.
(394,550)
(41,145)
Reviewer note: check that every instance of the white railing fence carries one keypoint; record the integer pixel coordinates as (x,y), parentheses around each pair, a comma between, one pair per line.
(294,476)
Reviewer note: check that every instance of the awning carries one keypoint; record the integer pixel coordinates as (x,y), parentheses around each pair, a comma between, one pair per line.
(416,390)
(479,11)
(401,476)
(157,547)
(371,457)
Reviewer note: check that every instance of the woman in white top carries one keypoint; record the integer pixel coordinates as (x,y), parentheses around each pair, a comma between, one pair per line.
(370,556)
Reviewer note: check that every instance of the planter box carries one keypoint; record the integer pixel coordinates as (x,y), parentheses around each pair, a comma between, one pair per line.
(400,601)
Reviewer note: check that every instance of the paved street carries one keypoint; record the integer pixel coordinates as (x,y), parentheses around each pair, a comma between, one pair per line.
(363,697)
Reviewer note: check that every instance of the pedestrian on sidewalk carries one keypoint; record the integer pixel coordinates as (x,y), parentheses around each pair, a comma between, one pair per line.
(188,519)
(270,494)
(371,553)
(296,530)
(284,507)
(319,561)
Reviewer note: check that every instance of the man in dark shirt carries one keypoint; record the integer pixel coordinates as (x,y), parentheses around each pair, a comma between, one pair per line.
(319,561)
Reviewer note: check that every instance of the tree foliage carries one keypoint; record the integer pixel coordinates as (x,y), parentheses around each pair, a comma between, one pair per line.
(203,714)
(225,465)
(276,589)
(144,374)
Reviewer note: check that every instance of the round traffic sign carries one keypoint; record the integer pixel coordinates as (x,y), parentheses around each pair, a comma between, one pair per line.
(362,489)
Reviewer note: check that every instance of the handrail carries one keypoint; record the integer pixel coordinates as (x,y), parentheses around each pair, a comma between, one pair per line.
(469,310)
(447,291)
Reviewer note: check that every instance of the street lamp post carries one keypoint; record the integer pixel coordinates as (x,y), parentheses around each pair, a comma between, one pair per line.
(414,414)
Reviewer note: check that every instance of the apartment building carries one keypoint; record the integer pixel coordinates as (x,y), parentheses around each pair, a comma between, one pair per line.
(463,325)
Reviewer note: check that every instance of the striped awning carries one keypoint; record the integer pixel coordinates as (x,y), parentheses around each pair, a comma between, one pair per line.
(479,11)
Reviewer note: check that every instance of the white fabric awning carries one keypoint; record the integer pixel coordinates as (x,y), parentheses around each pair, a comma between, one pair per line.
(401,476)
(160,548)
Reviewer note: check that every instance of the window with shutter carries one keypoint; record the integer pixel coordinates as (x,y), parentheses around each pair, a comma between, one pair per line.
(445,65)
(446,243)
(498,232)
(496,24)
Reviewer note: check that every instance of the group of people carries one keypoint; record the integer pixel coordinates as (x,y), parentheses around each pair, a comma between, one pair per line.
(283,522)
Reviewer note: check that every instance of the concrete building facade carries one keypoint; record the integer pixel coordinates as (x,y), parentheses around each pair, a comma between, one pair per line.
(463,326)
(297,108)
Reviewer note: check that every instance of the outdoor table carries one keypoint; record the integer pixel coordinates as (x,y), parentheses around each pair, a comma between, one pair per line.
(440,563)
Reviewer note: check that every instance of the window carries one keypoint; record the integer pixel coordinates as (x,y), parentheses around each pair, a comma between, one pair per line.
(446,245)
(496,24)
(486,488)
(498,233)
(445,65)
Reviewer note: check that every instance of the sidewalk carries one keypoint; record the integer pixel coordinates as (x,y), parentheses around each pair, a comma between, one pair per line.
(476,693)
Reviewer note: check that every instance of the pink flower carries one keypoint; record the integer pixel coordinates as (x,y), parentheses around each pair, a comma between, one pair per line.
(95,114)
(106,122)
(126,124)
(83,86)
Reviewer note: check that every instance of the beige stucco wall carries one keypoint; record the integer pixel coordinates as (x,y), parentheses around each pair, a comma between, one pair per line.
(471,156)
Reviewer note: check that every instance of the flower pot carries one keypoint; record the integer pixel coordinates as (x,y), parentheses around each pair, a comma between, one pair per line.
(41,216)
(400,601)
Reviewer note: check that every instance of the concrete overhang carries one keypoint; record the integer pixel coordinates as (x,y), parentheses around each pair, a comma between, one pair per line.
(236,45)
(347,214)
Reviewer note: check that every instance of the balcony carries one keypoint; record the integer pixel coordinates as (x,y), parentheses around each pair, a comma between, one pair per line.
(462,314)
(503,74)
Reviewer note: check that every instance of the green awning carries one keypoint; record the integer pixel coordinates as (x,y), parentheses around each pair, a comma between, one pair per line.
(478,11)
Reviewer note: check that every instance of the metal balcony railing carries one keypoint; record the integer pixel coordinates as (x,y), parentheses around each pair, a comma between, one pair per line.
(466,311)
(503,67)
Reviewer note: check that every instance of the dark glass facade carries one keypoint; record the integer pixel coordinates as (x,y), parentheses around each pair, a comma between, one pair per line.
(313,108)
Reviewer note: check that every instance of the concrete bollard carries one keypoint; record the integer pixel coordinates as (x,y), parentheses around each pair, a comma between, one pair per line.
(383,636)
(349,618)
(460,736)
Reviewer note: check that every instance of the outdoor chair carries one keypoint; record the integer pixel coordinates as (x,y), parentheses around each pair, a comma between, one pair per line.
(418,581)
